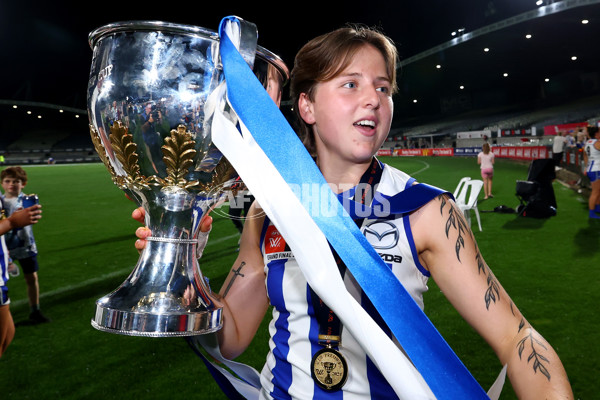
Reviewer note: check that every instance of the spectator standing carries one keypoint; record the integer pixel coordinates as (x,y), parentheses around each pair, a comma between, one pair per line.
(20,242)
(558,148)
(582,136)
(485,159)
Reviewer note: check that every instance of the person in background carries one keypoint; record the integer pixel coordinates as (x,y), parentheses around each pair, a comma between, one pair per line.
(591,156)
(558,148)
(342,86)
(18,219)
(20,242)
(582,136)
(485,159)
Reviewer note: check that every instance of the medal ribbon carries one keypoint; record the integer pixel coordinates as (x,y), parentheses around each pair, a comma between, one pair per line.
(329,323)
(447,377)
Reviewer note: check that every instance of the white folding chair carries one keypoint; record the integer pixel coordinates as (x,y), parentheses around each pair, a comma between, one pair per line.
(460,185)
(466,199)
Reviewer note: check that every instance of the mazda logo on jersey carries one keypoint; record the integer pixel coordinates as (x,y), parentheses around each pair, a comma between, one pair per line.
(385,233)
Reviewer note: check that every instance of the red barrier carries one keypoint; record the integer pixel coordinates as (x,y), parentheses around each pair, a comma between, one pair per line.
(514,152)
(384,152)
(521,152)
(418,152)
(443,152)
(553,129)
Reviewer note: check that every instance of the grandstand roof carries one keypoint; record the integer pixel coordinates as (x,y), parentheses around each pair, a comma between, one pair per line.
(50,56)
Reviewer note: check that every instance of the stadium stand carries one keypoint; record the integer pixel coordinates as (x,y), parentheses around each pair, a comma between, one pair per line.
(28,139)
(36,134)
(443,129)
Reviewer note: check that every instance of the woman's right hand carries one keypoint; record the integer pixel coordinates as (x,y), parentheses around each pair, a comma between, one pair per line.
(144,232)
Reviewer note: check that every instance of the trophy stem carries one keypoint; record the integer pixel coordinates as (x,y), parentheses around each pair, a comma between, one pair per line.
(165,295)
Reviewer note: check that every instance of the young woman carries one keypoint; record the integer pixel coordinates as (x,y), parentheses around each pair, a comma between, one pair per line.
(485,159)
(342,85)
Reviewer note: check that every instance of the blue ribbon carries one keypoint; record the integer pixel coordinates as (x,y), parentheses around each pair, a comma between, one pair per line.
(443,371)
(383,206)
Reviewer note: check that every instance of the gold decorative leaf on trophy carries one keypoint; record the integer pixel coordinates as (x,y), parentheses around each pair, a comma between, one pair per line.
(179,152)
(101,150)
(125,150)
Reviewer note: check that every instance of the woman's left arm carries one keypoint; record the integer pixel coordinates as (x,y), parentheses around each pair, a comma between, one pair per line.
(447,248)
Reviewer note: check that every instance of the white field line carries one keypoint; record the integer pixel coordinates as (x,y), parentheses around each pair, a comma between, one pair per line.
(422,169)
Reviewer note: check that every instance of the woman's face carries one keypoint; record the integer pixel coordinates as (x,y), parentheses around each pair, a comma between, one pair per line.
(351,114)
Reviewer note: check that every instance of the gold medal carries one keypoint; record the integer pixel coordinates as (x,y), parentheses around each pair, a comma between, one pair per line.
(329,369)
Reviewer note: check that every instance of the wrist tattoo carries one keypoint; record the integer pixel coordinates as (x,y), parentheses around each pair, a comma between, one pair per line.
(236,273)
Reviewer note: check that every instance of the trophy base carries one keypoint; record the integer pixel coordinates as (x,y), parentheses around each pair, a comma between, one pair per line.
(144,324)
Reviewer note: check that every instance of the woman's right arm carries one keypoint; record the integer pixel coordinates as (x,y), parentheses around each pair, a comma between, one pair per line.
(244,293)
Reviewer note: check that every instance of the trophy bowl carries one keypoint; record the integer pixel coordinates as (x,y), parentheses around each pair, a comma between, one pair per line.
(149,111)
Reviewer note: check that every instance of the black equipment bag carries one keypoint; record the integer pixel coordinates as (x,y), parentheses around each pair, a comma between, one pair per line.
(536,194)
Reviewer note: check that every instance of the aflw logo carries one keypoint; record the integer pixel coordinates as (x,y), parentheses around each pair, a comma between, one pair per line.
(275,247)
(275,242)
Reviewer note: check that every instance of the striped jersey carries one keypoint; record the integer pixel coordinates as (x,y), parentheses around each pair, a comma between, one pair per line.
(593,155)
(294,328)
(3,267)
(20,241)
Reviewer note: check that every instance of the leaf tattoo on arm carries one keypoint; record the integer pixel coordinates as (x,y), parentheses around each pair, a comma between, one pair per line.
(535,356)
(457,222)
(492,293)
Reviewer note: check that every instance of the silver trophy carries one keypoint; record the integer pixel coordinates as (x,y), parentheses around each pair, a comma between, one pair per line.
(149,101)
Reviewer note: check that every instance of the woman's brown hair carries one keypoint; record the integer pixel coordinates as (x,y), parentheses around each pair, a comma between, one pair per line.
(325,57)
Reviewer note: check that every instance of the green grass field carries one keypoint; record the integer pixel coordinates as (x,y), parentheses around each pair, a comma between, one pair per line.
(550,267)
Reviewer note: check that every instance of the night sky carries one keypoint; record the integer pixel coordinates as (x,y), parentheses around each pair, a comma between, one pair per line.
(46,56)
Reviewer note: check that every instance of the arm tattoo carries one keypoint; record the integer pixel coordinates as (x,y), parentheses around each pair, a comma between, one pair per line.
(456,220)
(492,293)
(538,359)
(236,273)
